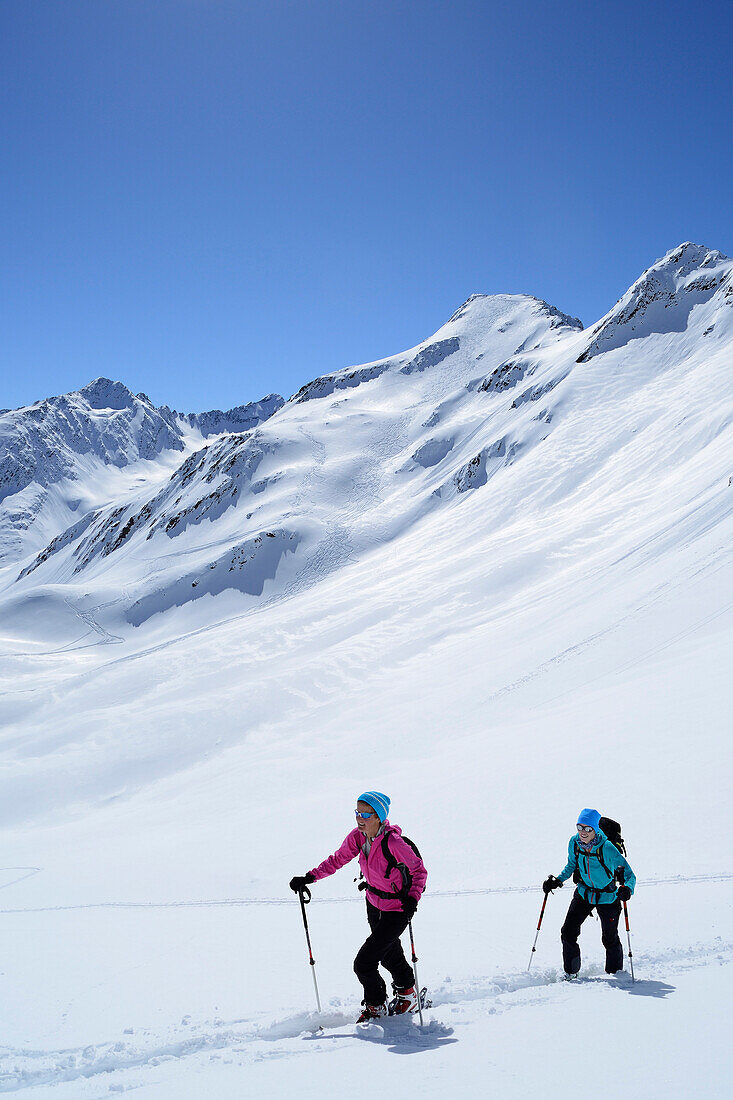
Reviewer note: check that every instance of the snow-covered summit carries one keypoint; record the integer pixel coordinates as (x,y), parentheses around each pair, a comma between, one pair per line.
(103,393)
(43,443)
(484,322)
(477,305)
(662,299)
(73,441)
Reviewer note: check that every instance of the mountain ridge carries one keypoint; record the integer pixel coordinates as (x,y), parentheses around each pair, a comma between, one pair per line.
(420,430)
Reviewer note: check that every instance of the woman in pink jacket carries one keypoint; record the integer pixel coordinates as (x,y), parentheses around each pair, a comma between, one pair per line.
(394,877)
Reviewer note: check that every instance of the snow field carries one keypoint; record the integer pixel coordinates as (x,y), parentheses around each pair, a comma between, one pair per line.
(150,998)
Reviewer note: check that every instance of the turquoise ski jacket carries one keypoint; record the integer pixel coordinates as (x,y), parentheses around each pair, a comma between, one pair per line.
(597,869)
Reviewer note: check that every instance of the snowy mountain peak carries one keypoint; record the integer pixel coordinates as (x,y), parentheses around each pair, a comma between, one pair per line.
(686,258)
(476,307)
(43,443)
(70,440)
(663,298)
(103,393)
(520,320)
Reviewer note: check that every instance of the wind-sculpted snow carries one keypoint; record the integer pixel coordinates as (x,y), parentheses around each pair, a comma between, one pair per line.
(245,568)
(214,481)
(432,452)
(422,423)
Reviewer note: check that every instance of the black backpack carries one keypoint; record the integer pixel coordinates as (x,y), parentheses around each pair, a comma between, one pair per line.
(612,829)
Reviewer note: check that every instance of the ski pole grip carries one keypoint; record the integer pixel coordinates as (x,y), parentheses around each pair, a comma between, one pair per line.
(305,895)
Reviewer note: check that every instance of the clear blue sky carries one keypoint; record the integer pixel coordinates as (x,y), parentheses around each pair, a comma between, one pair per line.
(215,199)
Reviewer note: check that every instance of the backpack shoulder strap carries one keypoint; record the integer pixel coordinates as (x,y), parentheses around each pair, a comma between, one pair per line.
(393,865)
(599,853)
(412,845)
(387,851)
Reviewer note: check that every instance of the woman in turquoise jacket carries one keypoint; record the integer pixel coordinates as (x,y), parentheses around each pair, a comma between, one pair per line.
(598,864)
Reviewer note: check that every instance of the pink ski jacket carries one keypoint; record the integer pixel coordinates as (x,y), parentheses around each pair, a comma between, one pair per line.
(374,866)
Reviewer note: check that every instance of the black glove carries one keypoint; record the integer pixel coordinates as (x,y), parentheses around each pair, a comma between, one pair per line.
(299,882)
(409,907)
(551,883)
(624,893)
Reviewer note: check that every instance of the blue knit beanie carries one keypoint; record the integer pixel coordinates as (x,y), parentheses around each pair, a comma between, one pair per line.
(378,802)
(590,817)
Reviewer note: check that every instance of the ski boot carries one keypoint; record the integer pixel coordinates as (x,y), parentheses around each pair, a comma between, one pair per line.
(404,1000)
(372,1012)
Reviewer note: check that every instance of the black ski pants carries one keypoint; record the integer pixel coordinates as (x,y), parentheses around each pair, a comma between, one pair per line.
(608,916)
(383,946)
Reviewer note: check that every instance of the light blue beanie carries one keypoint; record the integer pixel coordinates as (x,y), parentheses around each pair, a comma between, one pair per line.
(589,817)
(378,802)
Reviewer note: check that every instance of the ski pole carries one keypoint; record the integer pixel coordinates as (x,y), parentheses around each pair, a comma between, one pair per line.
(303,902)
(539,925)
(417,980)
(628,937)
(406,884)
(621,876)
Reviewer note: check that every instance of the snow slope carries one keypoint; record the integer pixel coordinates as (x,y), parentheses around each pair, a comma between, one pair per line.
(493,579)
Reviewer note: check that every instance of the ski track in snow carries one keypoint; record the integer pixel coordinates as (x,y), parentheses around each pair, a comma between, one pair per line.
(87,617)
(714,562)
(23,1069)
(27,872)
(217,903)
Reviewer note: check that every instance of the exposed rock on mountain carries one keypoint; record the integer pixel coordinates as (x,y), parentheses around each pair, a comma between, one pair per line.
(44,442)
(241,419)
(245,567)
(490,411)
(73,441)
(662,299)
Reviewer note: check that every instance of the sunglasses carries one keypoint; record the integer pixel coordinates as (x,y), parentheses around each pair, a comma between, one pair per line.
(585,829)
(364,816)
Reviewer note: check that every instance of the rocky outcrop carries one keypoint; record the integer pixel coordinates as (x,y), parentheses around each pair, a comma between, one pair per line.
(661,300)
(241,419)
